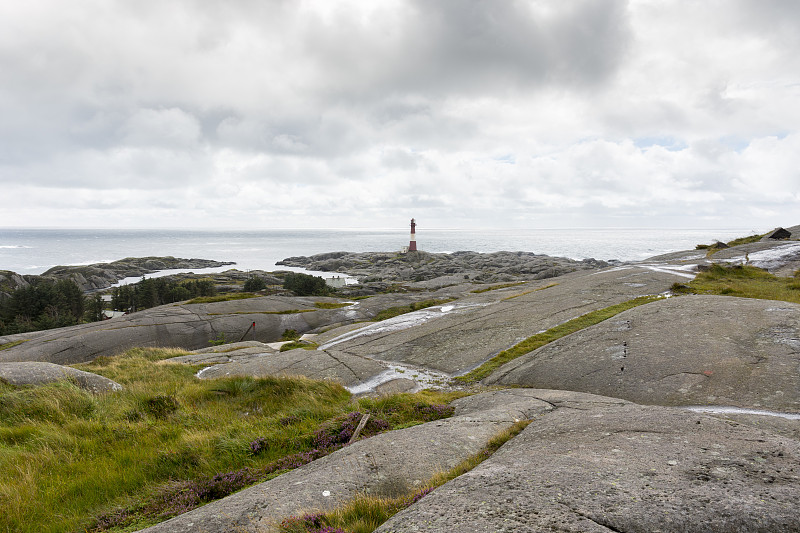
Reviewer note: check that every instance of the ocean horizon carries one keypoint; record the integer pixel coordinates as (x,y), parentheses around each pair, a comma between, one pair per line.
(35,250)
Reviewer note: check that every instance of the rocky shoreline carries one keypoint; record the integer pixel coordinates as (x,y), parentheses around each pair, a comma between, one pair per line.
(100,276)
(423,266)
(611,445)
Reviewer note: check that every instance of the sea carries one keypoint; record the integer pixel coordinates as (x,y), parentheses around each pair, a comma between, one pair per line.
(35,250)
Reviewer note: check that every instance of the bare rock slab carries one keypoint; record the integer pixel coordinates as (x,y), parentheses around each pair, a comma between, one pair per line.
(191,326)
(602,466)
(37,373)
(693,350)
(314,364)
(379,465)
(472,330)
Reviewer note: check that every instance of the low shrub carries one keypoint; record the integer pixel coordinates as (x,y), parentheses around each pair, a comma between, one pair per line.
(392,312)
(161,405)
(222,298)
(254,284)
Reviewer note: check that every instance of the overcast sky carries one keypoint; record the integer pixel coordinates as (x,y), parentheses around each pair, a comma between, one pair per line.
(461,113)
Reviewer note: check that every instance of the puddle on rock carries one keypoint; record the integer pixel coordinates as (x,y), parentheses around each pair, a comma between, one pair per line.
(720,410)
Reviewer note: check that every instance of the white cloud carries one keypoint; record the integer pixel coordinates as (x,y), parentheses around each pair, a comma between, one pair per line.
(318,113)
(167,128)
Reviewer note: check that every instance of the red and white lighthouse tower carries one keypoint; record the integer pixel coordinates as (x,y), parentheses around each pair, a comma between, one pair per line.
(412,245)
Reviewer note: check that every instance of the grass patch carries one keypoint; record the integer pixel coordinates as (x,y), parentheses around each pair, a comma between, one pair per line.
(366,513)
(73,461)
(713,248)
(530,291)
(743,281)
(8,345)
(496,287)
(746,240)
(540,339)
(305,345)
(235,348)
(392,312)
(331,305)
(222,298)
(286,312)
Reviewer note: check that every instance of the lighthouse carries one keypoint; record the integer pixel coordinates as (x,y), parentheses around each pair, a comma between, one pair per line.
(412,245)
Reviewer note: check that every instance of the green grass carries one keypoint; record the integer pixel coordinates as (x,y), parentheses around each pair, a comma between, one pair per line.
(530,291)
(562,330)
(222,298)
(331,305)
(496,287)
(746,240)
(305,345)
(8,345)
(285,312)
(392,312)
(744,281)
(366,513)
(68,456)
(711,248)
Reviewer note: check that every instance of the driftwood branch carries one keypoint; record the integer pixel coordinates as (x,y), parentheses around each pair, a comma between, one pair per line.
(360,426)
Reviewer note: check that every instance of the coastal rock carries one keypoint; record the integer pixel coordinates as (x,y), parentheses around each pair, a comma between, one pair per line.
(777,234)
(194,326)
(456,337)
(423,266)
(382,465)
(690,350)
(585,463)
(33,373)
(396,386)
(226,353)
(594,464)
(104,275)
(11,281)
(347,370)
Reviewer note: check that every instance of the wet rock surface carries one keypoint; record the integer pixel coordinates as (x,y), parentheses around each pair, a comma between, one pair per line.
(597,465)
(464,334)
(781,257)
(194,326)
(32,373)
(691,350)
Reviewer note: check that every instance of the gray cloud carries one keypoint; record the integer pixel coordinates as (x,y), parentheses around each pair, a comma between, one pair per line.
(519,112)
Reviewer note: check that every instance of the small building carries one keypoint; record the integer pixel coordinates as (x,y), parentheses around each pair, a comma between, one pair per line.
(336,282)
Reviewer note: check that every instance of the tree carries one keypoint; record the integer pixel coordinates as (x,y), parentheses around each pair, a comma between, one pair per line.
(305,284)
(42,305)
(94,309)
(254,283)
